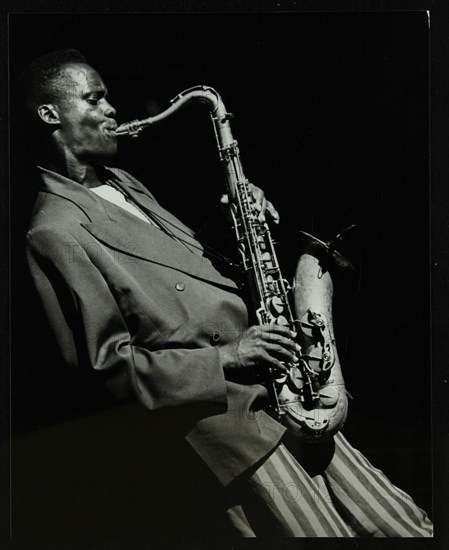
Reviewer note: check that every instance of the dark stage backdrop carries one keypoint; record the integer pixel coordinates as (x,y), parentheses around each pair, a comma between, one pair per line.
(331,114)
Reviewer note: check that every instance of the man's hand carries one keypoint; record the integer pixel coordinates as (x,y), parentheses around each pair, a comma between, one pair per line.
(260,202)
(262,205)
(260,346)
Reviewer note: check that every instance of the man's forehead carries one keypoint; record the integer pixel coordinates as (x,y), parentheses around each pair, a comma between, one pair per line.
(83,76)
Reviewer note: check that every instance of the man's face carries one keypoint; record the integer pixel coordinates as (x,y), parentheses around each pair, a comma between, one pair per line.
(86,118)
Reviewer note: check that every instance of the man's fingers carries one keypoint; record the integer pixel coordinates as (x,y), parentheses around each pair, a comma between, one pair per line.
(261,204)
(277,329)
(279,352)
(262,208)
(278,336)
(275,364)
(283,341)
(273,212)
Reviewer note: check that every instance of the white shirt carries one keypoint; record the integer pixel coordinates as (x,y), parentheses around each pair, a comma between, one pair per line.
(112,195)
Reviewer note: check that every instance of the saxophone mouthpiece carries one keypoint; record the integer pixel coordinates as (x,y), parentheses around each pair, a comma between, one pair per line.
(132,128)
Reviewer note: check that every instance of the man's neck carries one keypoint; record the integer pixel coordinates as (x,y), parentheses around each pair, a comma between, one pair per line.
(82,172)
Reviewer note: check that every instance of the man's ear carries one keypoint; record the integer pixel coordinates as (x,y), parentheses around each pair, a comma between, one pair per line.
(48,113)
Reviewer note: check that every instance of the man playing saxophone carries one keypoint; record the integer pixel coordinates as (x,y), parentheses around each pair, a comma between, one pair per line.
(133,296)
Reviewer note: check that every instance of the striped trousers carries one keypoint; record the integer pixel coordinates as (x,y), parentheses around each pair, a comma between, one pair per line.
(340,496)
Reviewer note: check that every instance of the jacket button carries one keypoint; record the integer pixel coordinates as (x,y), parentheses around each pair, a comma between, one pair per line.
(180,286)
(215,337)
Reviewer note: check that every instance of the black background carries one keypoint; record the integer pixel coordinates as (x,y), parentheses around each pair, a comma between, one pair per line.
(332,118)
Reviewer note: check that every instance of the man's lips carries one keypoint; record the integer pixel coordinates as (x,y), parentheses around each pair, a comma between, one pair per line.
(110,128)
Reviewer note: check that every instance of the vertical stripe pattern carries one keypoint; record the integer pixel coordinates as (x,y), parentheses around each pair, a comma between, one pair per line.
(350,498)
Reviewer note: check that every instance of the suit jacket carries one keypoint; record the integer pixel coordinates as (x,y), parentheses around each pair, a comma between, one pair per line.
(144,312)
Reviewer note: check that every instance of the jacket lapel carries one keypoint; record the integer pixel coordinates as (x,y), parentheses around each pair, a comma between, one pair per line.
(132,236)
(154,210)
(137,239)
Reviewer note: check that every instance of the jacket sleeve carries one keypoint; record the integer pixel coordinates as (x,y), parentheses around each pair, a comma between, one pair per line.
(90,328)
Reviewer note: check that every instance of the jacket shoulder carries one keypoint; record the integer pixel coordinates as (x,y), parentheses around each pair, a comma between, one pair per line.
(57,212)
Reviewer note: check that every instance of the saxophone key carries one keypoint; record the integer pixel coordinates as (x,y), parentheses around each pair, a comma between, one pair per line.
(261,242)
(276,305)
(281,320)
(296,378)
(328,397)
(268,260)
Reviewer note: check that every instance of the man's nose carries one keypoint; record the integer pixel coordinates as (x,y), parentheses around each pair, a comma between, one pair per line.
(109,110)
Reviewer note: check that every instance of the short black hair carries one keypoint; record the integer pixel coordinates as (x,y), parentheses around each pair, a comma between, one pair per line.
(40,81)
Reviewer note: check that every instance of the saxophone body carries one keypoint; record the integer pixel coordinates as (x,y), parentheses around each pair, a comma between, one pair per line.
(310,400)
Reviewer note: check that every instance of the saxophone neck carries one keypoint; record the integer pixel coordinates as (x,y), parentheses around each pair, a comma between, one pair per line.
(203,94)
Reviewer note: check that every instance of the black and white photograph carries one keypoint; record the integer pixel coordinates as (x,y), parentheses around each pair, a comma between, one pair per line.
(220,278)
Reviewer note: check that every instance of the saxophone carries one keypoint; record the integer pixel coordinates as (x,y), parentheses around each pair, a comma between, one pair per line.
(310,400)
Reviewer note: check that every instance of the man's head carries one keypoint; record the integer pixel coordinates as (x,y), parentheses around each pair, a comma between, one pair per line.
(67,97)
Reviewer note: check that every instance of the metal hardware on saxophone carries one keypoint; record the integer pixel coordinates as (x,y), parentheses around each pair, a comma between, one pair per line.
(311,399)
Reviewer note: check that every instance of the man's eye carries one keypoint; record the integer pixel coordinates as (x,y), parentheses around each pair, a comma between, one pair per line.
(93,100)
